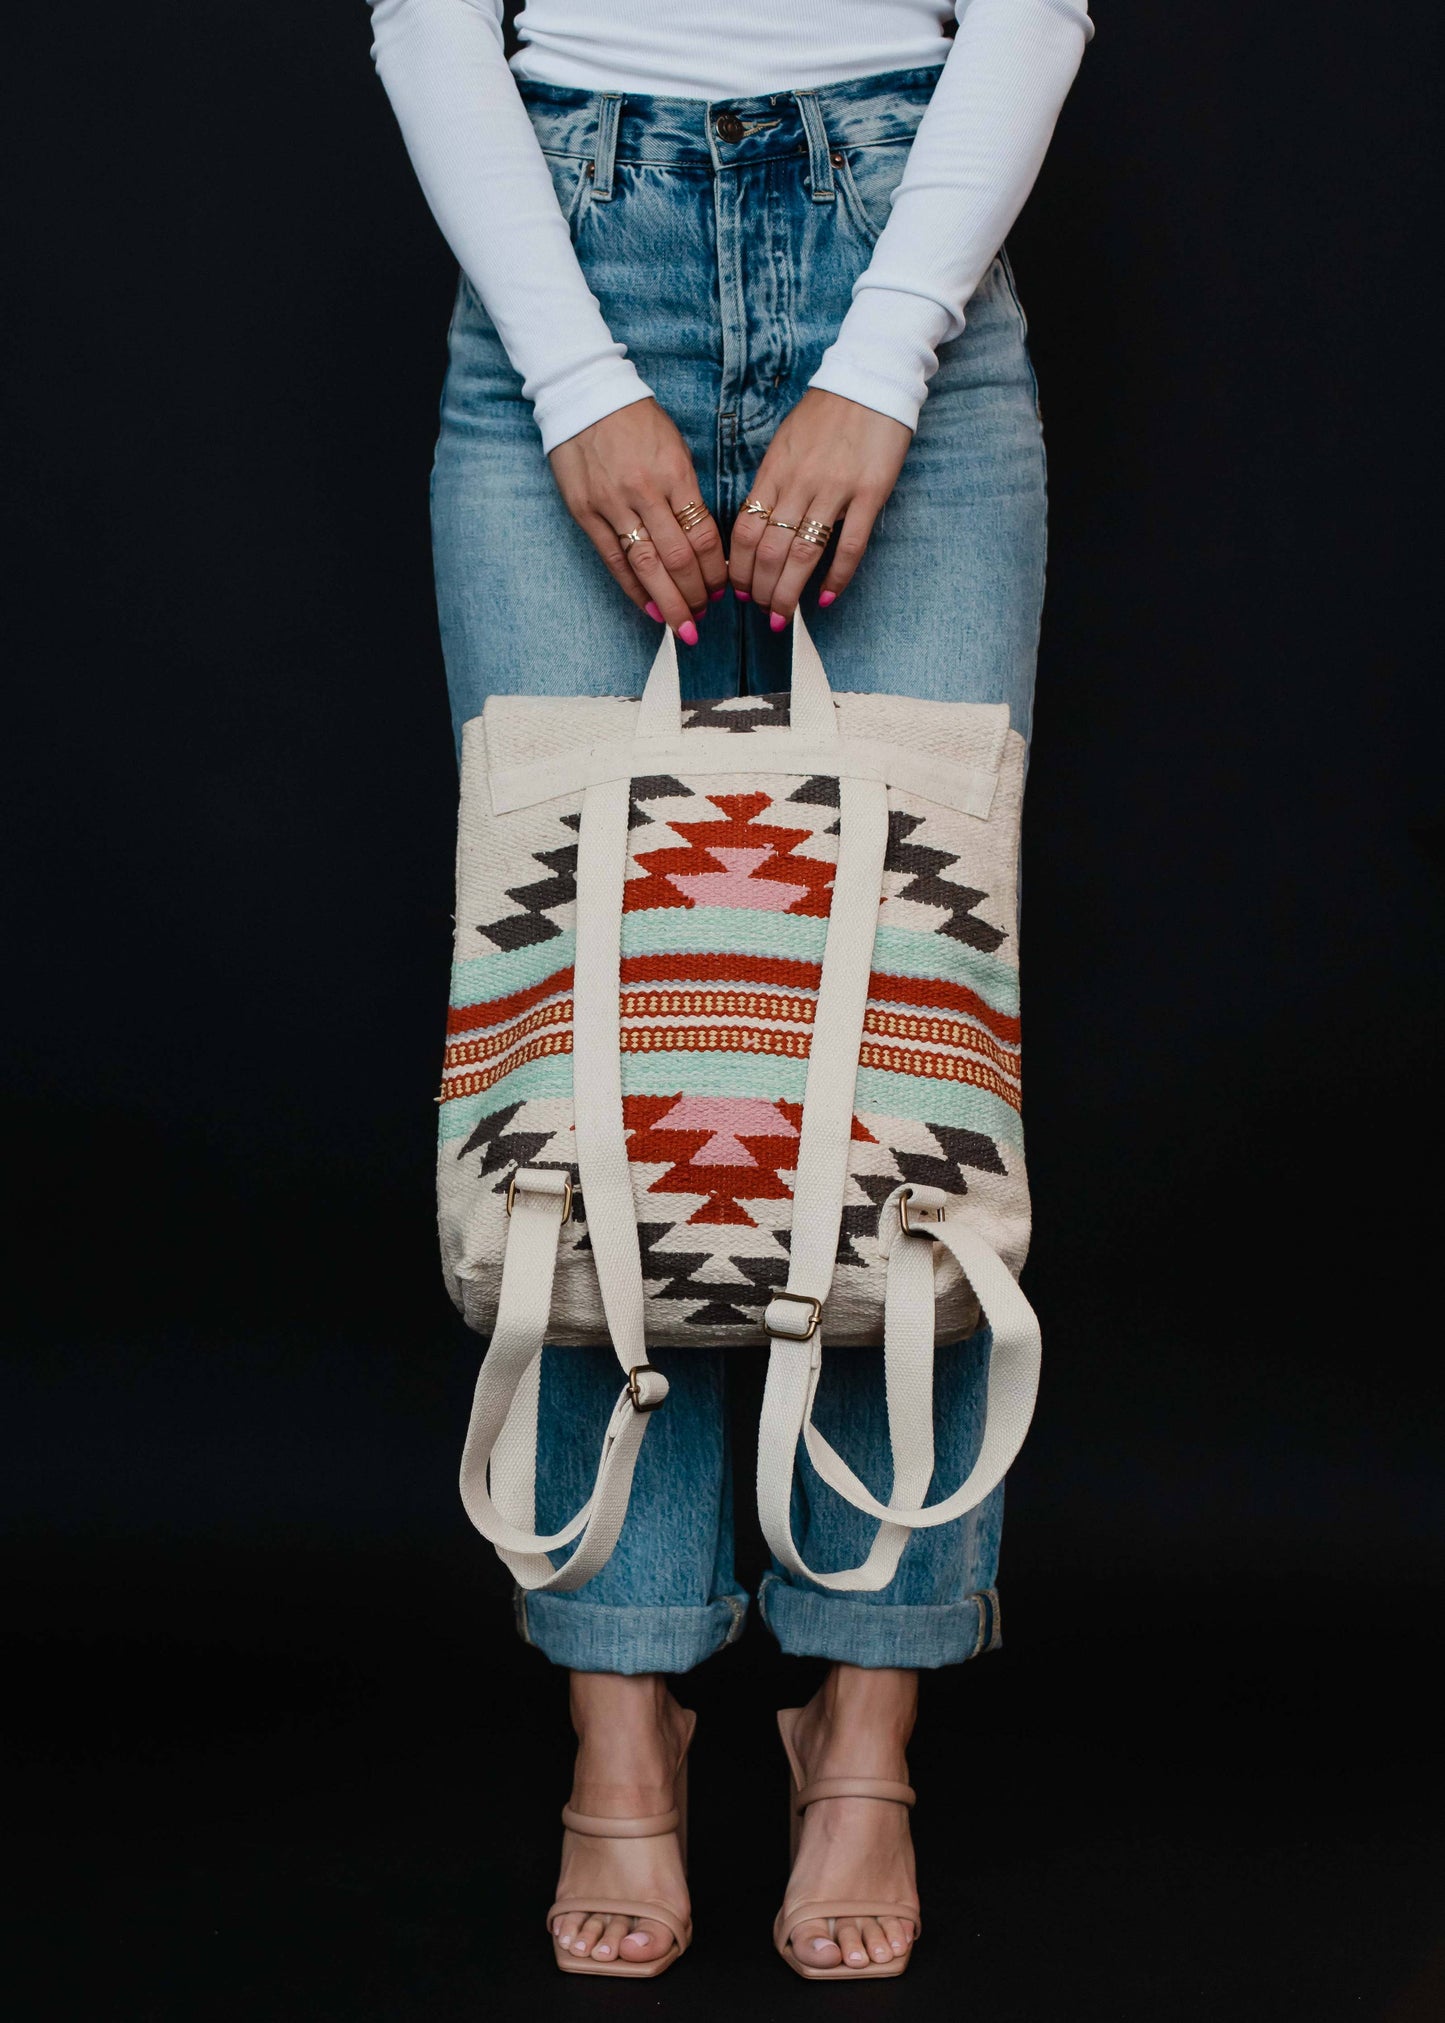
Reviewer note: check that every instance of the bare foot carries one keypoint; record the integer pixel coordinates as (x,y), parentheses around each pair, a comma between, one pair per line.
(630,1738)
(857,1724)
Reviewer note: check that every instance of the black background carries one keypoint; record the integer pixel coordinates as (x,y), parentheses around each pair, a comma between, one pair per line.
(279,1755)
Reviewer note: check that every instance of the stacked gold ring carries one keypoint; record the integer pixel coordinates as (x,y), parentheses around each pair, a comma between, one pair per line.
(815,532)
(691,515)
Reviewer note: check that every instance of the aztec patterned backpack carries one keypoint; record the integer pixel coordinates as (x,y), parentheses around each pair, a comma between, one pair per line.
(734,1054)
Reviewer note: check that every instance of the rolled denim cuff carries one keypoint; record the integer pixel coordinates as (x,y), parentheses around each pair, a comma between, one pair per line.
(593,1637)
(849,1630)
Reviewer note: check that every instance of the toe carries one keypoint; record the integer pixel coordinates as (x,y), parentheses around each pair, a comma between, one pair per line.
(647,1940)
(813,1946)
(587,1938)
(873,1939)
(566,1928)
(614,1932)
(850,1943)
(898,1934)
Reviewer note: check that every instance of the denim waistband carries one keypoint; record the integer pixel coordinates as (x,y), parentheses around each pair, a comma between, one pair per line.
(607,127)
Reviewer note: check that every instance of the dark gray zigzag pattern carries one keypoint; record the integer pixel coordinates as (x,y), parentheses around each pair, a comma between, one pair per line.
(930,888)
(670,1275)
(503,1151)
(739,713)
(652,787)
(944,1169)
(532,924)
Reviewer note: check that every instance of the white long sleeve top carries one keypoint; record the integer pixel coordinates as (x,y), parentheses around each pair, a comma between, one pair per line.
(973,161)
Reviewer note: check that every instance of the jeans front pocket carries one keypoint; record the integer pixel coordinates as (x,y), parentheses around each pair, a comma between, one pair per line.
(867,177)
(572,181)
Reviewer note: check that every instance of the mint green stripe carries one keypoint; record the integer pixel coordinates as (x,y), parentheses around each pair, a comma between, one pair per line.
(903,951)
(714,1074)
(722,930)
(479,978)
(535,1078)
(768,1075)
(725,930)
(957,1103)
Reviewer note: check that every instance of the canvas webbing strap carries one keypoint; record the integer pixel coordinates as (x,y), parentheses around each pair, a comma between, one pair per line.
(502,1434)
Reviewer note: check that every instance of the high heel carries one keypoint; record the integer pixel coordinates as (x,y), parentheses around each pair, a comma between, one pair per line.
(596,1827)
(797,1910)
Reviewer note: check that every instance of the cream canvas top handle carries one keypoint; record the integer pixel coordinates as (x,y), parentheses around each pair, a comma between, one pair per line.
(812,717)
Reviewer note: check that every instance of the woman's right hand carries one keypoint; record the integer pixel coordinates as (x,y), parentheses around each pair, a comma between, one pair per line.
(633,469)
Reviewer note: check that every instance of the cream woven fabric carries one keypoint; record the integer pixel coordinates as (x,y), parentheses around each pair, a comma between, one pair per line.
(730,984)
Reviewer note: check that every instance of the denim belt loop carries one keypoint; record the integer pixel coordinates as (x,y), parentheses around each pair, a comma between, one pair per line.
(820,160)
(609,117)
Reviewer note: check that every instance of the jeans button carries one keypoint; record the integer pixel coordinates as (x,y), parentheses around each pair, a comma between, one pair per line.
(729,127)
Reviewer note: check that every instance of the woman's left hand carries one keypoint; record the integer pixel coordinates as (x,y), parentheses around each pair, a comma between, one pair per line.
(831,460)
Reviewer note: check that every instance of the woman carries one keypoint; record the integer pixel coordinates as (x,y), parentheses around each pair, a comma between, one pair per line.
(710,335)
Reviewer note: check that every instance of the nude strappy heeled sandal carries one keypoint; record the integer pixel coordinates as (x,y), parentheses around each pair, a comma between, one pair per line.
(797,1910)
(678,1923)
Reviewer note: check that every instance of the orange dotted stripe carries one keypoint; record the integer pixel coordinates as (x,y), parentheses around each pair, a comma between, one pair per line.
(463,1053)
(715,1039)
(939,1033)
(741,1040)
(479,1079)
(725,1004)
(938,1068)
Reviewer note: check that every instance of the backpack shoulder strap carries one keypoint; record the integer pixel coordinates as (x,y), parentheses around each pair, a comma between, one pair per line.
(919,1214)
(499,1458)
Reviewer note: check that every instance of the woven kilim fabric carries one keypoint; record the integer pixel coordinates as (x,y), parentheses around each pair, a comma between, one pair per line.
(725,917)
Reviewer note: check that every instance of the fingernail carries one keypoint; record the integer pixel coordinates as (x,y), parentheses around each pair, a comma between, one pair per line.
(714,596)
(699,611)
(652,611)
(777,621)
(687,632)
(825,598)
(743,596)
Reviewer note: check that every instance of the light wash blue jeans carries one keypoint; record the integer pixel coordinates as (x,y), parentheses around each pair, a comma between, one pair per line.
(725,267)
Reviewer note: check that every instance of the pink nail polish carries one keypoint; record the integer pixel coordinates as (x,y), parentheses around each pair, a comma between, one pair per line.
(825,598)
(687,632)
(652,611)
(743,596)
(713,598)
(700,612)
(777,621)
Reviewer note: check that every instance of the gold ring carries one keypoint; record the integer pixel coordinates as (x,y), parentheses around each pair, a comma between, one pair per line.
(691,515)
(637,534)
(786,525)
(816,533)
(763,512)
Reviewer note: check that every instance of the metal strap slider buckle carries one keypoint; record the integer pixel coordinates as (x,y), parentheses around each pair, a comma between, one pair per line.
(524,1176)
(791,1334)
(645,1396)
(933,1215)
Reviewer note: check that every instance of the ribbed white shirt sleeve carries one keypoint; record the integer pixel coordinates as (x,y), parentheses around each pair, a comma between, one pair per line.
(974,159)
(972,164)
(476,156)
